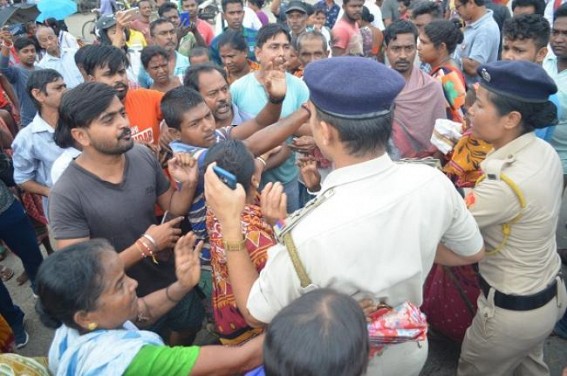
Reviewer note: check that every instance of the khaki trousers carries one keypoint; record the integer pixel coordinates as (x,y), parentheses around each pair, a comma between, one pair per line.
(503,342)
(405,359)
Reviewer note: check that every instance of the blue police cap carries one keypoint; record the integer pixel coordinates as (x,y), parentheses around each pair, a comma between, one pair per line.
(520,80)
(352,87)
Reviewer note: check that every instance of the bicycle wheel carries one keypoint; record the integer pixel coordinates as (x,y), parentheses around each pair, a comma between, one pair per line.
(89,31)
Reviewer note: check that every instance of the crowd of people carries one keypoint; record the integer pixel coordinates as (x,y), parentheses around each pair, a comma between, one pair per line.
(316,185)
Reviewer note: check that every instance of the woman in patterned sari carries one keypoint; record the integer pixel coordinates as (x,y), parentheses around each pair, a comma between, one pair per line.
(437,44)
(234,157)
(457,285)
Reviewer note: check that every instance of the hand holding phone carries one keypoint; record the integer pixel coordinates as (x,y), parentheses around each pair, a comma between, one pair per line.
(225,176)
(185,19)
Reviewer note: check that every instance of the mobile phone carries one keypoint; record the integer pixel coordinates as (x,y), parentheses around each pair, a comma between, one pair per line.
(225,176)
(185,19)
(132,12)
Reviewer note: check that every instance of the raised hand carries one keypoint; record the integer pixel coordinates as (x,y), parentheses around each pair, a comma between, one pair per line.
(183,168)
(227,204)
(303,144)
(274,81)
(167,234)
(273,202)
(309,173)
(187,264)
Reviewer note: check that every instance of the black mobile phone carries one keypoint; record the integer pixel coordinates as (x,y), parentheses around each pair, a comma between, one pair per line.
(225,176)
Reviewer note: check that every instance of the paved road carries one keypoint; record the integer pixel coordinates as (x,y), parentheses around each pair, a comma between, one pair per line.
(443,354)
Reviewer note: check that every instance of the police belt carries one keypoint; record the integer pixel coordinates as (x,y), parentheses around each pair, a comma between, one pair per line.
(520,302)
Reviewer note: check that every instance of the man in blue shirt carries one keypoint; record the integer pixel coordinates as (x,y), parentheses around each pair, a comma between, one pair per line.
(249,95)
(107,7)
(18,75)
(164,34)
(233,13)
(60,59)
(34,147)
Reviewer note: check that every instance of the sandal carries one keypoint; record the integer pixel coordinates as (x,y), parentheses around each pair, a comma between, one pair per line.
(6,273)
(22,278)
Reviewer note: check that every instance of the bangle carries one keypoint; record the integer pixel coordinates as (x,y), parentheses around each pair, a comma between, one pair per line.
(148,250)
(234,246)
(262,160)
(140,248)
(152,240)
(305,106)
(276,100)
(169,297)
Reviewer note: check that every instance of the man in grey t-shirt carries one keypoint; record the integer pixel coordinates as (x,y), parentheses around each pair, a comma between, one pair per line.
(110,191)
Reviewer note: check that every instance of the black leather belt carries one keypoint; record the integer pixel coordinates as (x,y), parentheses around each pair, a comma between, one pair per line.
(520,302)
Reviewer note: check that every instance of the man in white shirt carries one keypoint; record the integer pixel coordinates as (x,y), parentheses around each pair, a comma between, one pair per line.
(60,59)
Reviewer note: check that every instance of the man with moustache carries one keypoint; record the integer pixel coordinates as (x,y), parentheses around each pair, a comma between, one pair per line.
(164,34)
(108,64)
(111,189)
(210,81)
(420,102)
(346,36)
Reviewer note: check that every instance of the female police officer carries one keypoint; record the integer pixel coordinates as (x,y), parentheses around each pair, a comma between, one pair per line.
(516,204)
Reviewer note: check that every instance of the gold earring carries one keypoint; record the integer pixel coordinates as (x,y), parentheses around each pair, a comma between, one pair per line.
(92,326)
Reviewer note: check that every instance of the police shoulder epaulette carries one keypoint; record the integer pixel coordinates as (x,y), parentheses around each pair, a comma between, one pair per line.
(282,228)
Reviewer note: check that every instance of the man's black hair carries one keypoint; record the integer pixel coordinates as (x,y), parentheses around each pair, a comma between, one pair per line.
(399,27)
(560,12)
(23,42)
(191,79)
(233,38)
(104,56)
(539,5)
(224,3)
(156,23)
(79,107)
(38,79)
(322,332)
(270,31)
(166,7)
(233,156)
(176,102)
(426,7)
(528,26)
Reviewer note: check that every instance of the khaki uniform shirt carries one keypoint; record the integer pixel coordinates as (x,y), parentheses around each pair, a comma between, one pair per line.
(374,234)
(528,262)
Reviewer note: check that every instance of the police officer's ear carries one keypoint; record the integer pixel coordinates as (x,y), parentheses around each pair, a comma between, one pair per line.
(540,55)
(329,134)
(513,120)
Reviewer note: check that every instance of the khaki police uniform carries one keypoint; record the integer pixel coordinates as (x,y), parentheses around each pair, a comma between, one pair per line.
(372,232)
(516,207)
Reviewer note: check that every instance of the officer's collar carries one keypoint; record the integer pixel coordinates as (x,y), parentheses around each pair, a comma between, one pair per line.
(357,171)
(513,147)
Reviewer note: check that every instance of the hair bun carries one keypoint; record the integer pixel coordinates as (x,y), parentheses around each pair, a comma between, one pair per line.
(45,318)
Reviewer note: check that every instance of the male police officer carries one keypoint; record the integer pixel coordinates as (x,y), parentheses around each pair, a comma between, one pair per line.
(374,229)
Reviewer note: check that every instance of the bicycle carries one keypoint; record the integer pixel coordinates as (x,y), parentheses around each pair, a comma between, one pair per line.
(89,27)
(88,30)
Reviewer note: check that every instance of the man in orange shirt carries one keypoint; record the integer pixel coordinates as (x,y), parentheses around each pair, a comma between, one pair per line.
(107,64)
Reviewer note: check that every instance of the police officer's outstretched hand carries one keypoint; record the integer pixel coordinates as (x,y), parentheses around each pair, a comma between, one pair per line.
(273,202)
(227,204)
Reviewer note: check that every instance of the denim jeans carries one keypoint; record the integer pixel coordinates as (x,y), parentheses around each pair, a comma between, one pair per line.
(11,312)
(17,232)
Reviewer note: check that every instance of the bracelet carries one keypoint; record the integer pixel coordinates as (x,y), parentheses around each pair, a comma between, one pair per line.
(169,297)
(152,240)
(306,108)
(276,100)
(140,248)
(148,250)
(234,246)
(261,160)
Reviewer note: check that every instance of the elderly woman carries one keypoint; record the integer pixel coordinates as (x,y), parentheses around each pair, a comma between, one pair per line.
(516,205)
(94,306)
